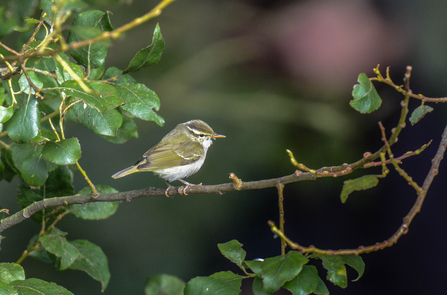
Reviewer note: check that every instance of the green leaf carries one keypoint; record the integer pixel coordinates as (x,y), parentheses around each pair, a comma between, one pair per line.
(63,75)
(280,269)
(62,7)
(255,266)
(233,251)
(26,196)
(356,262)
(258,287)
(321,288)
(148,56)
(366,99)
(93,261)
(164,285)
(9,170)
(6,289)
(25,123)
(64,152)
(21,152)
(419,113)
(141,102)
(229,277)
(106,96)
(116,75)
(96,73)
(210,285)
(34,169)
(305,282)
(106,123)
(11,272)
(97,210)
(94,21)
(6,113)
(24,84)
(58,184)
(336,270)
(127,130)
(7,21)
(358,184)
(36,286)
(55,242)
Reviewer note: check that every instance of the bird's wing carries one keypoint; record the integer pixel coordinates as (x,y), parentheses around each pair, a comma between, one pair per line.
(169,155)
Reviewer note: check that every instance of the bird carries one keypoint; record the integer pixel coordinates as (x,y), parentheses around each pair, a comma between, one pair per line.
(178,155)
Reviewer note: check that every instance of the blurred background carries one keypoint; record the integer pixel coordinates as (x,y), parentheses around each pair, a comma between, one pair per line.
(271,76)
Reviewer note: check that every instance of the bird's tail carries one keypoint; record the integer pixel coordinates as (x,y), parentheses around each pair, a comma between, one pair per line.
(125,172)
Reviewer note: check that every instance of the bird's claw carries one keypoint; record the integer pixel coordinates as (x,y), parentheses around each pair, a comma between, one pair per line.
(183,191)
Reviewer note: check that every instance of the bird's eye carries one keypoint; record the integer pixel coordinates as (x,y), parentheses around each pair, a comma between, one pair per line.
(201,135)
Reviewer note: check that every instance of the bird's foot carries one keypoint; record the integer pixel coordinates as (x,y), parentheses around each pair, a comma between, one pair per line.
(167,189)
(183,192)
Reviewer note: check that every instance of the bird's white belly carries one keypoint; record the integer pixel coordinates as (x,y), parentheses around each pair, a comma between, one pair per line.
(179,172)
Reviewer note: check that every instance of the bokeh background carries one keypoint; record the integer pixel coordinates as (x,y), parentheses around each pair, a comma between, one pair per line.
(271,76)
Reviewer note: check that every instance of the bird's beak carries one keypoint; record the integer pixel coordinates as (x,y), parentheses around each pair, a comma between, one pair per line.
(215,135)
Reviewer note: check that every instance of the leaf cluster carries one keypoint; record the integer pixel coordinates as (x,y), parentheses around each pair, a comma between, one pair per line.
(289,271)
(48,80)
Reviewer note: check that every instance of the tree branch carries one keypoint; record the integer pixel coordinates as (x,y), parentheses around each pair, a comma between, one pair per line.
(148,192)
(403,229)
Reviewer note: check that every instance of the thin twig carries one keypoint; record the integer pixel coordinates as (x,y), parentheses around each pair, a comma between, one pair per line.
(280,187)
(403,229)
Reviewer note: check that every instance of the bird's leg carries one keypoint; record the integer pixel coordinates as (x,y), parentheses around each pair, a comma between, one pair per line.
(167,190)
(187,185)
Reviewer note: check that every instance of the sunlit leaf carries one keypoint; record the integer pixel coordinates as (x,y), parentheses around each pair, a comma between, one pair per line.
(102,97)
(233,251)
(5,113)
(366,99)
(64,152)
(11,272)
(94,21)
(37,286)
(148,56)
(358,184)
(141,102)
(280,269)
(25,123)
(305,282)
(106,123)
(24,83)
